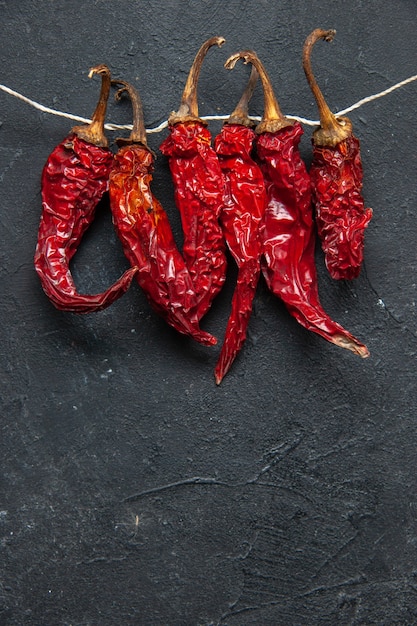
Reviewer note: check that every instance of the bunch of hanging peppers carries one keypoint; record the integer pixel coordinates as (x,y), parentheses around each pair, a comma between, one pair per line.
(248,191)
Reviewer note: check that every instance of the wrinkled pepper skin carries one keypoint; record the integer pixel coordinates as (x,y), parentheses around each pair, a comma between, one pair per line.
(336,175)
(74,179)
(341,217)
(244,203)
(144,230)
(198,188)
(289,238)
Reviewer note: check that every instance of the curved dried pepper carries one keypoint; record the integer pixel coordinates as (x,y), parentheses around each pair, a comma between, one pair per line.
(198,186)
(74,179)
(336,175)
(244,203)
(288,230)
(144,230)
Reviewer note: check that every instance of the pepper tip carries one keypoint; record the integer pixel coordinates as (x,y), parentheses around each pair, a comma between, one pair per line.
(364,352)
(352,344)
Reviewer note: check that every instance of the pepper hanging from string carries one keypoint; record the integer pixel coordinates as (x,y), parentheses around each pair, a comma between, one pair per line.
(336,177)
(157,129)
(198,186)
(144,230)
(287,233)
(244,204)
(74,179)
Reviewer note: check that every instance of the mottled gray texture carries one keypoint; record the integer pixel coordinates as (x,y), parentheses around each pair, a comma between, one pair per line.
(136,492)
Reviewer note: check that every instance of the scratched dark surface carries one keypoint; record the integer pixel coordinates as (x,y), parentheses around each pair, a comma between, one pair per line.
(133,490)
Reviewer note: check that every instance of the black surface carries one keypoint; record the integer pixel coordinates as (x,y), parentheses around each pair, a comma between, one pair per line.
(135,491)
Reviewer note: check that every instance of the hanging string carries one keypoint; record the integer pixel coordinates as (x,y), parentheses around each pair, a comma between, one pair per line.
(163,125)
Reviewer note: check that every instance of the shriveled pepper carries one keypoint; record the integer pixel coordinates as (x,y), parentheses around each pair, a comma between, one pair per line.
(74,179)
(198,188)
(288,230)
(144,230)
(336,175)
(244,204)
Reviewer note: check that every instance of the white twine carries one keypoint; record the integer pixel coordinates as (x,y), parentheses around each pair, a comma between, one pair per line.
(160,127)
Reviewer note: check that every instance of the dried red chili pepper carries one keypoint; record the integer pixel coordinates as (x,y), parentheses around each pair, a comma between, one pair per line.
(74,179)
(144,230)
(336,175)
(198,185)
(244,203)
(288,230)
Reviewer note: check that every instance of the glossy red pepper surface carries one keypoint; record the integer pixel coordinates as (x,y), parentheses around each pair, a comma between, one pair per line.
(144,230)
(242,212)
(74,179)
(341,216)
(287,233)
(289,238)
(198,185)
(336,177)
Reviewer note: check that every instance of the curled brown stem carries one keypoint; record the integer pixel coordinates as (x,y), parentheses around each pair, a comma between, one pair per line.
(138,133)
(273,119)
(188,110)
(332,130)
(94,132)
(241,113)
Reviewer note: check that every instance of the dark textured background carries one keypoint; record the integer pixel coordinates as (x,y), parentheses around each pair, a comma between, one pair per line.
(135,491)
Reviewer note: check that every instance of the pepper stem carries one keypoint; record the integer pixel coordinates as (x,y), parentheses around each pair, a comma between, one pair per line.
(332,130)
(240,115)
(94,132)
(138,133)
(273,119)
(188,110)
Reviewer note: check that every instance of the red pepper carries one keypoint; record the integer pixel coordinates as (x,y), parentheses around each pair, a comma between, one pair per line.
(144,230)
(74,179)
(288,229)
(336,175)
(244,203)
(198,185)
